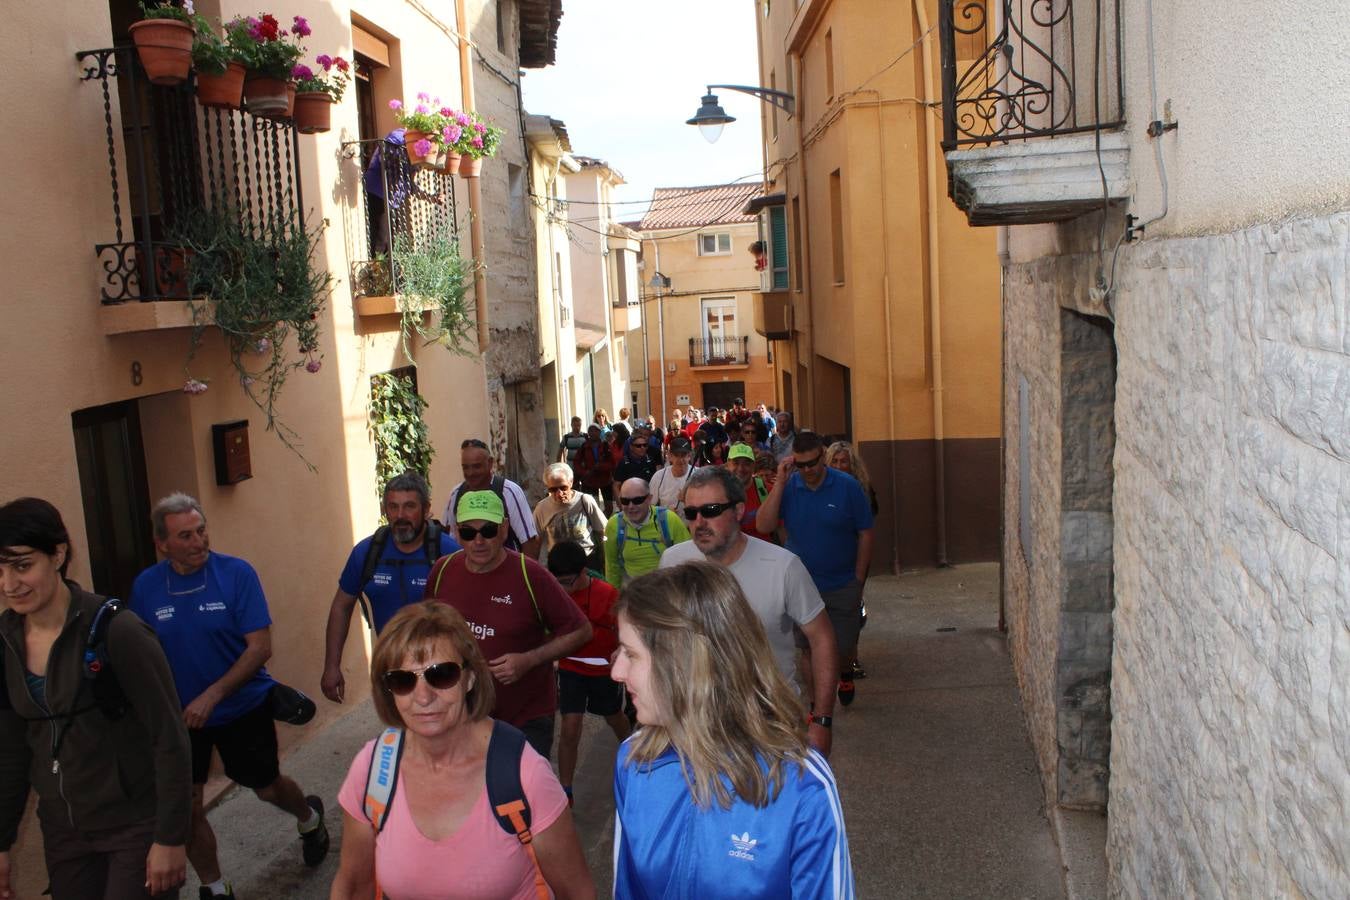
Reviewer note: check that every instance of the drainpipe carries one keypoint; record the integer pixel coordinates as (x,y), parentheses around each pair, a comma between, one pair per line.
(475,184)
(808,414)
(1003,257)
(934,290)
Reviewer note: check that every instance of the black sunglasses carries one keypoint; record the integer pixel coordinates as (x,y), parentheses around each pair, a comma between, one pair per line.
(468,532)
(707,510)
(632,501)
(811,463)
(473,442)
(441,676)
(559,488)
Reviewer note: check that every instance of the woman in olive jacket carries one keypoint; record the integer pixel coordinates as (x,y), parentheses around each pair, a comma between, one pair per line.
(113,774)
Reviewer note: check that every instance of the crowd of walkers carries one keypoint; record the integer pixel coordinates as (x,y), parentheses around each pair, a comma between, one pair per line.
(711,621)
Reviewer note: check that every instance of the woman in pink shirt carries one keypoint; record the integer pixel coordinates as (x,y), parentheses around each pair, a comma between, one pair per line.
(440,838)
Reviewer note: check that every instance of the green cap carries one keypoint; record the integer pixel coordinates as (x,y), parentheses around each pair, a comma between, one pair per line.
(480,505)
(741,451)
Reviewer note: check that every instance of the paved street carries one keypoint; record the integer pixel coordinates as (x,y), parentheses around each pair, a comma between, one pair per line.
(938,780)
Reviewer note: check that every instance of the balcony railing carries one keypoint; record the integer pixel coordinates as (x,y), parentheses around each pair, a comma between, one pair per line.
(1015,69)
(180,163)
(719,351)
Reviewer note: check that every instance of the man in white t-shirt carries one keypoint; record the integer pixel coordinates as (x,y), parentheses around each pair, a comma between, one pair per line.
(667,485)
(774,580)
(475,460)
(570,515)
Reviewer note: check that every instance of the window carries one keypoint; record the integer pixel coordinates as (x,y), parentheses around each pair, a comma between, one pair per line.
(773,109)
(837,225)
(773,232)
(719,319)
(501,25)
(797,243)
(787,77)
(718,244)
(829,65)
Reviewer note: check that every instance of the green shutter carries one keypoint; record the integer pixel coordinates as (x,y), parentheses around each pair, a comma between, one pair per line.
(778,248)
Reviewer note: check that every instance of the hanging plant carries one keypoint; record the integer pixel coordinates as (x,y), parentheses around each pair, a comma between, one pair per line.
(259,290)
(396,425)
(431,275)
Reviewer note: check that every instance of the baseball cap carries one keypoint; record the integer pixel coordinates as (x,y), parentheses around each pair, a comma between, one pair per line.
(741,451)
(681,445)
(480,505)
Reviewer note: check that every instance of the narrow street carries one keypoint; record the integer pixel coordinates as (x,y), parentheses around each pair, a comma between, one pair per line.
(938,779)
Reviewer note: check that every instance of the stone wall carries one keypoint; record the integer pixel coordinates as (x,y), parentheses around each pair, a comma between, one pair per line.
(1231,535)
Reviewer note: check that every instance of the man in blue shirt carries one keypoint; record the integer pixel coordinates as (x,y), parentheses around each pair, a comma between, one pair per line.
(407,547)
(829,525)
(211,618)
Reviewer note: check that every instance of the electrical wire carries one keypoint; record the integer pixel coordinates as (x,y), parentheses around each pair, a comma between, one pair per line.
(1153,96)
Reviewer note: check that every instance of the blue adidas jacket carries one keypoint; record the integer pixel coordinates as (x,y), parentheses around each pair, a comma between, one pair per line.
(666,847)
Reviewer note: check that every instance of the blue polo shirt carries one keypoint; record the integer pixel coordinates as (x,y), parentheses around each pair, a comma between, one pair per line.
(823,526)
(399,579)
(201,620)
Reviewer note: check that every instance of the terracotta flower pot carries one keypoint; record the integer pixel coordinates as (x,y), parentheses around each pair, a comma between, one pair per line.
(221,91)
(313,112)
(410,139)
(452,162)
(266,97)
(470,166)
(165,49)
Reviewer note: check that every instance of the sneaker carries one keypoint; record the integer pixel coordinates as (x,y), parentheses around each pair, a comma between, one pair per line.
(846,691)
(315,840)
(204,893)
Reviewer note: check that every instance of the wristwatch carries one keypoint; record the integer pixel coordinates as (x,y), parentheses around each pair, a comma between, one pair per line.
(822,721)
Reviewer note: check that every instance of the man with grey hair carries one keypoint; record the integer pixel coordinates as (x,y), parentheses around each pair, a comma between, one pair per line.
(569,515)
(389,569)
(774,580)
(211,618)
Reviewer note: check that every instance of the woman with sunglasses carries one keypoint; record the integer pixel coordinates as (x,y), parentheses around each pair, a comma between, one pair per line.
(717,794)
(440,837)
(110,763)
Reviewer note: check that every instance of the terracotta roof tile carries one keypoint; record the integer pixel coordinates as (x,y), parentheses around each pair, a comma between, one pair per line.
(694,207)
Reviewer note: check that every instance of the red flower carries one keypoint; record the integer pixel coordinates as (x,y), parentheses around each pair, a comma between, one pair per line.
(268,28)
(341,63)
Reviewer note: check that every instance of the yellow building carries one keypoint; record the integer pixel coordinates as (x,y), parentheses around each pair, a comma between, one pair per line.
(97,333)
(701,348)
(882,300)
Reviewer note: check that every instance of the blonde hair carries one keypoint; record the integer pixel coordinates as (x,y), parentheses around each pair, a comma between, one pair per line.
(726,708)
(415,628)
(858,467)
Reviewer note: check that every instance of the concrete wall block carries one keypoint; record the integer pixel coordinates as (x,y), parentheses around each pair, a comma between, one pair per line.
(1305,280)
(1305,393)
(1082,782)
(1087,587)
(1290,478)
(1086,636)
(1086,536)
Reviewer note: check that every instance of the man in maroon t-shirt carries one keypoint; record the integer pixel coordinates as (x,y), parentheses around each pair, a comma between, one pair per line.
(522,617)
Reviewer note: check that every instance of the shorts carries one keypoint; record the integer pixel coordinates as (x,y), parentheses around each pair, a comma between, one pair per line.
(247,745)
(539,734)
(597,694)
(844,607)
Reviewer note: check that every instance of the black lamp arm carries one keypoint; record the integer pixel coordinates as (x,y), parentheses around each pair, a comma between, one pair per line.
(781,99)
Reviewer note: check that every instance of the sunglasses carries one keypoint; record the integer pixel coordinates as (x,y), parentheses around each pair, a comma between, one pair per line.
(810,463)
(441,676)
(707,510)
(633,501)
(468,532)
(559,488)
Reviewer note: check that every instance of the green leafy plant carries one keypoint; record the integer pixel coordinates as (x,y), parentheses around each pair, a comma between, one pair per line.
(167,9)
(213,54)
(431,272)
(259,290)
(397,427)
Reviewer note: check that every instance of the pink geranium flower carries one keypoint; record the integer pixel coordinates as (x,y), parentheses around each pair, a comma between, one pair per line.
(300,27)
(477,143)
(193,386)
(480,127)
(424,96)
(421,109)
(451,133)
(422,147)
(301,72)
(313,366)
(396,105)
(341,63)
(447,111)
(324,60)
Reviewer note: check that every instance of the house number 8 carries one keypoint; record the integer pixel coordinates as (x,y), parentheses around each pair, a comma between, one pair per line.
(136,377)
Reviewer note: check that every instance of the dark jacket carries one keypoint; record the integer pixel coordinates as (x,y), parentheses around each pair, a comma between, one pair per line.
(111,773)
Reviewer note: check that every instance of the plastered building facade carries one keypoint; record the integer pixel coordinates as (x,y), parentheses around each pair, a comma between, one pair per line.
(99,423)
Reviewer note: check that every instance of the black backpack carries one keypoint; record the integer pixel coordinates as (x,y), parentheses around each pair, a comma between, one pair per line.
(431,548)
(95,669)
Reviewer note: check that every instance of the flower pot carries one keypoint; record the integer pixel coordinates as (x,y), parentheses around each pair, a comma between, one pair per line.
(165,49)
(313,112)
(266,97)
(221,91)
(470,166)
(422,160)
(452,162)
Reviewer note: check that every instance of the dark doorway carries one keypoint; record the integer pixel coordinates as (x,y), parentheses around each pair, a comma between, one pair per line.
(722,394)
(111,461)
(367,132)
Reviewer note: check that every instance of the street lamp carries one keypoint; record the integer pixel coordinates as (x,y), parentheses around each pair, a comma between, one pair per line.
(711,118)
(660,282)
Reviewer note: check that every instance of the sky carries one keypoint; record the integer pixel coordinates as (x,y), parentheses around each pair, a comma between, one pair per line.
(628,75)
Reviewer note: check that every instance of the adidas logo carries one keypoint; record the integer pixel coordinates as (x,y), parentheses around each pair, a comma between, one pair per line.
(742,845)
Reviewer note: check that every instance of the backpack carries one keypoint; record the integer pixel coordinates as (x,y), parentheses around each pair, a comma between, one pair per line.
(498,487)
(662,525)
(506,797)
(431,548)
(524,574)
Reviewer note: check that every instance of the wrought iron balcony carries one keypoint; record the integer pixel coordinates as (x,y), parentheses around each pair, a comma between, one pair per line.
(170,162)
(1014,71)
(405,209)
(719,351)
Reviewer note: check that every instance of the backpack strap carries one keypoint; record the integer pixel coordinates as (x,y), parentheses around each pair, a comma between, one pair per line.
(445,565)
(663,524)
(374,553)
(621,535)
(382,779)
(525,574)
(107,690)
(507,797)
(431,541)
